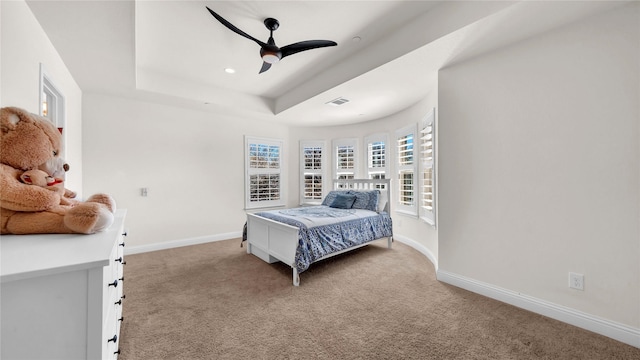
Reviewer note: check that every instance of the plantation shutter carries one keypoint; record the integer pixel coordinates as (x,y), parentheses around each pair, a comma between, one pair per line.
(263,173)
(427,155)
(345,159)
(312,171)
(405,159)
(406,167)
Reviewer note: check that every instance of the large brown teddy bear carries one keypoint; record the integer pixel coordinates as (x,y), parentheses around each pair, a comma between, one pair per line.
(27,142)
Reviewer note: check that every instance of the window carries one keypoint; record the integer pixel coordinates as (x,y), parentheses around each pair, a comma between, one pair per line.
(406,167)
(427,168)
(52,104)
(263,177)
(345,159)
(376,156)
(311,171)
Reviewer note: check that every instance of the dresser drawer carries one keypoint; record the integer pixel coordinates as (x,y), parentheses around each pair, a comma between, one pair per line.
(112,284)
(111,337)
(113,299)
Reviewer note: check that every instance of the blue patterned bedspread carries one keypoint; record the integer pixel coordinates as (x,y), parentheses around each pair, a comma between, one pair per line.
(319,241)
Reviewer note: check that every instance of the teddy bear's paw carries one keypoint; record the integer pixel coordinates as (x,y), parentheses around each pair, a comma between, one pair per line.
(69,194)
(88,218)
(104,220)
(104,199)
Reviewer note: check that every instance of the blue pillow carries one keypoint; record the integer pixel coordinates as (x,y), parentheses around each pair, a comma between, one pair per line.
(343,201)
(332,196)
(365,199)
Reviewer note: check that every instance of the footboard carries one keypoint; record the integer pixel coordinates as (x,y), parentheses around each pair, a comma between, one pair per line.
(273,241)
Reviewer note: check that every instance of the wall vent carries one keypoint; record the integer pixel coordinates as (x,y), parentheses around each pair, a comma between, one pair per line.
(337,102)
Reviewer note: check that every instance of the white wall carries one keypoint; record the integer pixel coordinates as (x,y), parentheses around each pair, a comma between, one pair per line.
(24,45)
(408,228)
(192,163)
(539,167)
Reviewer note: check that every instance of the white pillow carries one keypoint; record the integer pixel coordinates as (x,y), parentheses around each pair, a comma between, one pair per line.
(383,198)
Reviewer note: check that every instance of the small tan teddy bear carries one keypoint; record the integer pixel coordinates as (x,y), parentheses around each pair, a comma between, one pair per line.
(44,180)
(58,168)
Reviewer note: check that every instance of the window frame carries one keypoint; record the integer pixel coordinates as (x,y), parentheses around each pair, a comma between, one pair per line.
(249,171)
(428,162)
(407,209)
(304,144)
(55,107)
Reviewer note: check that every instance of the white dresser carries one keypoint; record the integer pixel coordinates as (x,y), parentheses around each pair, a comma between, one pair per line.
(61,295)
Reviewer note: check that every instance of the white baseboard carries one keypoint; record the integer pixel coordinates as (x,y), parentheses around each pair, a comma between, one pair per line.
(182,242)
(617,331)
(418,247)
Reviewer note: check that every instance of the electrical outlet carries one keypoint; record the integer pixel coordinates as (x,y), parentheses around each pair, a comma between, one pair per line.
(576,281)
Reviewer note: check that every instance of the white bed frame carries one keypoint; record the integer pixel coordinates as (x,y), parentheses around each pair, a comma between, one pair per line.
(273,241)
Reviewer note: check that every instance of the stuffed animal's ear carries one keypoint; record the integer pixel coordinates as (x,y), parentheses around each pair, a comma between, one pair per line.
(26,179)
(9,119)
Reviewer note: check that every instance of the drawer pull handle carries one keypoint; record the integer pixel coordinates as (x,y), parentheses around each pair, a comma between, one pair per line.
(120,260)
(121,244)
(121,318)
(114,283)
(124,233)
(117,352)
(122,278)
(119,302)
(122,297)
(114,339)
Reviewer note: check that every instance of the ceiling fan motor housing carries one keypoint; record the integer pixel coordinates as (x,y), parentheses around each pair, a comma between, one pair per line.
(270,54)
(271,24)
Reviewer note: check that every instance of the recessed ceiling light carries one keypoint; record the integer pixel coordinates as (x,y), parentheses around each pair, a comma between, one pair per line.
(356,39)
(230,71)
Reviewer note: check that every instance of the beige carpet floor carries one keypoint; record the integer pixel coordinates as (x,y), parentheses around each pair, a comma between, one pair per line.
(214,301)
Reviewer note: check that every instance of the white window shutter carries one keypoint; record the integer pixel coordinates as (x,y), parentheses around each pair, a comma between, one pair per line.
(345,159)
(406,170)
(427,168)
(263,167)
(312,155)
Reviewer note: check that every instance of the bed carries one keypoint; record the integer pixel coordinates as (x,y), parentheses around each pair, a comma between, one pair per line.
(352,215)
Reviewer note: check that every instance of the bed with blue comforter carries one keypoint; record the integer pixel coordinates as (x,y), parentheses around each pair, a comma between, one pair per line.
(347,219)
(325,230)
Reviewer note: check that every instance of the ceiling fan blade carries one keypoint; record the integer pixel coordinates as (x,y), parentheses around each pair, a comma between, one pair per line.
(305,45)
(265,66)
(233,28)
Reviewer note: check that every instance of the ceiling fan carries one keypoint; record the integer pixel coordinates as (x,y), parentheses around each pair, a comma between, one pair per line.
(269,52)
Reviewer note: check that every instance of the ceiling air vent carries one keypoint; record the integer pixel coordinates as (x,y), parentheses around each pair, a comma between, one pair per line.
(337,102)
